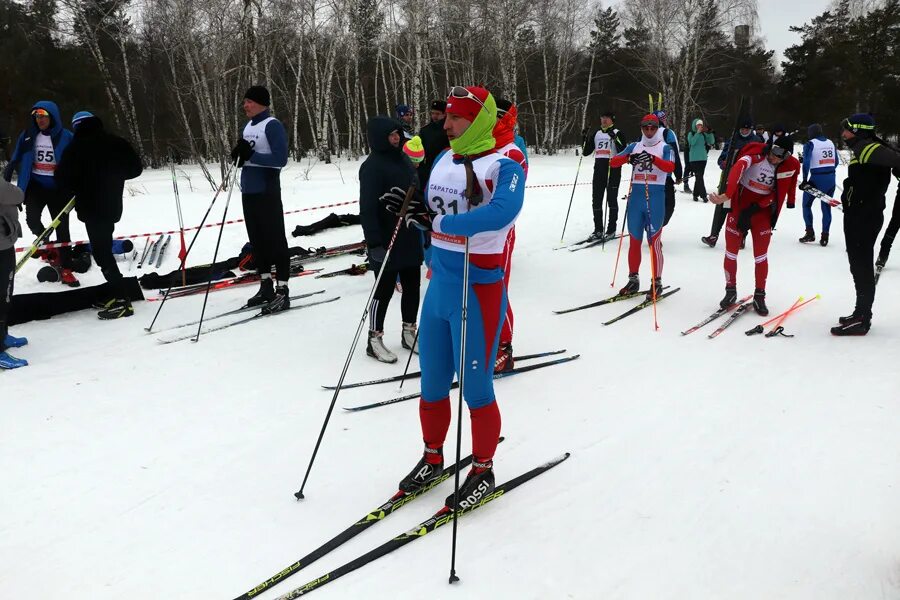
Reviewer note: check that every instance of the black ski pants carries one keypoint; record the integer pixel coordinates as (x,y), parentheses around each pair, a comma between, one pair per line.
(100,234)
(7,279)
(891,231)
(860,233)
(698,167)
(410,281)
(606,181)
(37,197)
(264,217)
(670,200)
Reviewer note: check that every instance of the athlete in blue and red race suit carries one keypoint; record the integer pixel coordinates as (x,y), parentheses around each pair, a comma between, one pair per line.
(652,161)
(476,193)
(820,160)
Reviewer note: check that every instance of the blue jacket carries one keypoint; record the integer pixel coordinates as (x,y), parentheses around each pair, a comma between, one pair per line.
(23,155)
(260,180)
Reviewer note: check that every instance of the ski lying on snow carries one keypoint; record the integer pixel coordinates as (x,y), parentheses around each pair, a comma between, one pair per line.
(220,284)
(244,308)
(392,505)
(193,336)
(731,319)
(584,241)
(642,305)
(442,517)
(609,300)
(716,315)
(416,374)
(455,384)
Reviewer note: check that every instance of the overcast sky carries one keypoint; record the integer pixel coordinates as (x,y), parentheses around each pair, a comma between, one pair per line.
(775,16)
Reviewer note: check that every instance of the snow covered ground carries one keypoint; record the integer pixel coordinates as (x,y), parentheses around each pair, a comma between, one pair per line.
(730,468)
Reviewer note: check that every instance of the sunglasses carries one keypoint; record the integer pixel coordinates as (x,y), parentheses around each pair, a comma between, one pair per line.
(39,112)
(461,92)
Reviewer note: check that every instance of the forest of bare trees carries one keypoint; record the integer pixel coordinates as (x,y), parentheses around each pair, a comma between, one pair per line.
(170,74)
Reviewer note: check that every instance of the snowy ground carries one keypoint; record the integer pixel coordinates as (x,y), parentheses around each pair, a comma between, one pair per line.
(729,468)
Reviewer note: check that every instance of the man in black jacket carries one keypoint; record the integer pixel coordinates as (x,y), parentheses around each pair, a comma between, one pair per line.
(604,144)
(434,139)
(388,171)
(94,168)
(863,200)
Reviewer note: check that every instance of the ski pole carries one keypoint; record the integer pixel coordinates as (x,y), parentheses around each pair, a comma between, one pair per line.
(409,360)
(183,251)
(581,156)
(624,224)
(653,290)
(45,234)
(212,266)
(228,175)
(362,322)
(459,406)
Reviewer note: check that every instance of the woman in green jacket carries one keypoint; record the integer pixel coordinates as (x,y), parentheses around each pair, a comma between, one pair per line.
(700,140)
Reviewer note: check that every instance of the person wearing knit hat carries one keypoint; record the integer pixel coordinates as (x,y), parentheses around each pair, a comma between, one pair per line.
(261,153)
(652,160)
(606,142)
(863,200)
(405,113)
(820,159)
(473,198)
(414,149)
(505,144)
(434,139)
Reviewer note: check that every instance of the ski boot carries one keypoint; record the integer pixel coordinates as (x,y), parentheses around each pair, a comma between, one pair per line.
(11,341)
(409,337)
(809,236)
(595,237)
(504,360)
(855,324)
(730,297)
(657,284)
(759,303)
(101,304)
(710,240)
(281,301)
(424,472)
(610,230)
(823,241)
(68,278)
(11,362)
(265,294)
(478,485)
(633,286)
(118,309)
(377,350)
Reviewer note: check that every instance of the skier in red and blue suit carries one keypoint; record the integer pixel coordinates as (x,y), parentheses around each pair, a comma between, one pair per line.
(652,159)
(476,193)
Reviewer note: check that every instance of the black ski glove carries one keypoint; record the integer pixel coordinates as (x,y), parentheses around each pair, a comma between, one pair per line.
(744,217)
(393,201)
(241,152)
(773,215)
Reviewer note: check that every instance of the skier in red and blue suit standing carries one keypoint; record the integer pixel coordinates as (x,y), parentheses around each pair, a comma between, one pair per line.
(473,192)
(652,160)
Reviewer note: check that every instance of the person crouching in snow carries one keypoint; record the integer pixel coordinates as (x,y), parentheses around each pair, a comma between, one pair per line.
(651,159)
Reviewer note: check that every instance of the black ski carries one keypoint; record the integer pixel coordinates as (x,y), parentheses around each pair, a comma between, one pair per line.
(455,384)
(416,374)
(565,246)
(392,505)
(236,311)
(592,243)
(442,517)
(360,269)
(609,300)
(731,319)
(641,306)
(716,315)
(193,336)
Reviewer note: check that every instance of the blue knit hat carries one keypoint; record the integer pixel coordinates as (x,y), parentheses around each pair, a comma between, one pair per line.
(80,116)
(403,110)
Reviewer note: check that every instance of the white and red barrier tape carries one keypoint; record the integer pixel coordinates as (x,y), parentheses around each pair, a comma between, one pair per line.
(233,221)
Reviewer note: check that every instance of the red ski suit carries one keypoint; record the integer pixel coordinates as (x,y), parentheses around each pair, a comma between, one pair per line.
(504,136)
(757,190)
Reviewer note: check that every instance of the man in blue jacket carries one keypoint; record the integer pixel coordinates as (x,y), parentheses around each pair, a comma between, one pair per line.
(262,151)
(37,152)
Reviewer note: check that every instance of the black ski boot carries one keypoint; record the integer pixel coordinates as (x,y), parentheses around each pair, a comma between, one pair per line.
(633,285)
(281,301)
(823,241)
(423,473)
(855,315)
(265,294)
(809,236)
(610,230)
(478,485)
(730,297)
(855,324)
(596,236)
(759,303)
(118,309)
(657,283)
(710,240)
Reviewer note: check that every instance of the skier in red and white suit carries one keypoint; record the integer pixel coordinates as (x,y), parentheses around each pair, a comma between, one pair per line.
(504,138)
(763,176)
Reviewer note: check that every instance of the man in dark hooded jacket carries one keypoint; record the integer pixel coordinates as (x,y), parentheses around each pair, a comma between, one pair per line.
(388,171)
(95,168)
